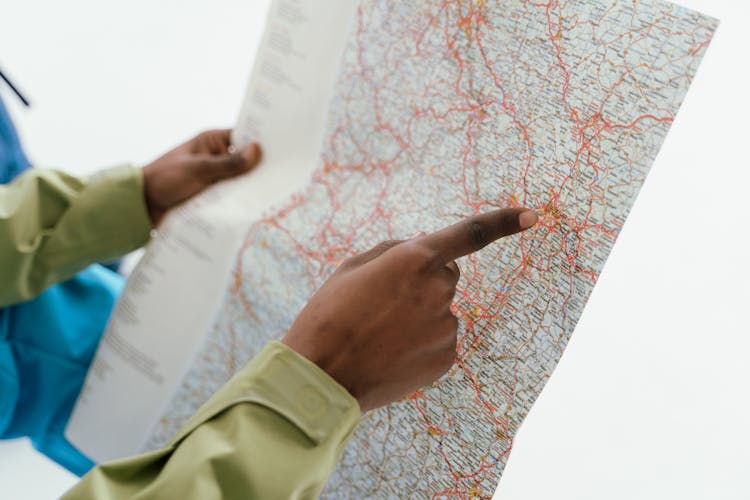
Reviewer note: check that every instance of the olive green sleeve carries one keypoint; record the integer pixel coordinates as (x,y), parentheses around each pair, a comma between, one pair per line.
(275,431)
(53,225)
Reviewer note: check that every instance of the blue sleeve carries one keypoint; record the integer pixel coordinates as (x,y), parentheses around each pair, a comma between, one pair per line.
(46,344)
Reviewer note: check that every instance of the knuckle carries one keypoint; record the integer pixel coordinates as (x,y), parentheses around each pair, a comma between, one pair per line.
(477,233)
(204,134)
(418,257)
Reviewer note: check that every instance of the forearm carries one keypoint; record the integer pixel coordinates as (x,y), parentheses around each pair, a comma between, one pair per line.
(274,431)
(53,225)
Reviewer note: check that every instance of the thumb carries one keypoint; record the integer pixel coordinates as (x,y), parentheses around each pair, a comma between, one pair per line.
(214,168)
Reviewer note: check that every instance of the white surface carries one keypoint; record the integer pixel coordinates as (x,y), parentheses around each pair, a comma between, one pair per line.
(650,399)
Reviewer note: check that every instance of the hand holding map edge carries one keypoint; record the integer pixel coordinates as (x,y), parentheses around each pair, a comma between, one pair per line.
(381,326)
(192,167)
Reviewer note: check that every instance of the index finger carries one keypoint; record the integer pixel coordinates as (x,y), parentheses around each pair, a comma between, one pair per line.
(475,233)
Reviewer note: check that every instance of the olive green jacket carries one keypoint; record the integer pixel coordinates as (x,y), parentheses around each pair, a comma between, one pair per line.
(274,431)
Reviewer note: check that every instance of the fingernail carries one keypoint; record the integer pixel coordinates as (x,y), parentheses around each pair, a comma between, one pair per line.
(527,219)
(417,235)
(252,152)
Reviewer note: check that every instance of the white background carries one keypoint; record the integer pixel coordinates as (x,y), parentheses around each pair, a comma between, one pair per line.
(650,400)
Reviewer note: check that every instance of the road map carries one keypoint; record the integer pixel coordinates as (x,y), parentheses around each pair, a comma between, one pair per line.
(441,110)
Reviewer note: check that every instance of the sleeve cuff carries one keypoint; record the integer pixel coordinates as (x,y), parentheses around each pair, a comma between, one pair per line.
(112,219)
(292,386)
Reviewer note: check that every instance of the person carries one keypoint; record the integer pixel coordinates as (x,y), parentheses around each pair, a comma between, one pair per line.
(54,299)
(47,341)
(277,428)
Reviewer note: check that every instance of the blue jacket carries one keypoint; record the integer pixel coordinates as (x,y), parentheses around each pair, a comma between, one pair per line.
(47,344)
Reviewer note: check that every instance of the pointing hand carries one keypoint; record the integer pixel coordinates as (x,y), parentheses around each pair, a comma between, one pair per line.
(381,325)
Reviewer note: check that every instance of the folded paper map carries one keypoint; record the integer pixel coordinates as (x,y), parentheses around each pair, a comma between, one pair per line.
(437,110)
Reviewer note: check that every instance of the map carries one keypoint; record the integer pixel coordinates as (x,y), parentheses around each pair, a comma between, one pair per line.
(444,109)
